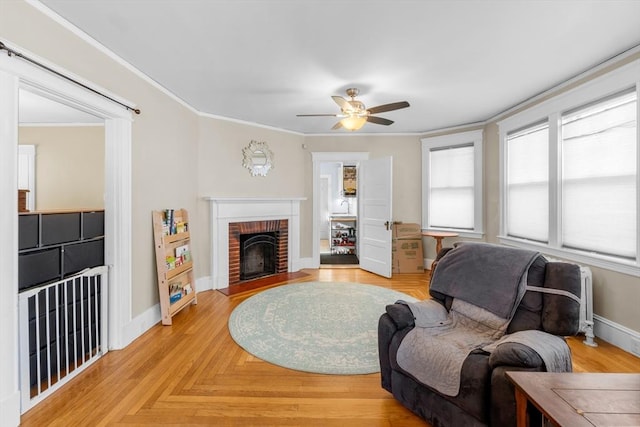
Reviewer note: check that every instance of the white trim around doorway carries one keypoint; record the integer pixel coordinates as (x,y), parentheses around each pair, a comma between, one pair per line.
(16,74)
(318,158)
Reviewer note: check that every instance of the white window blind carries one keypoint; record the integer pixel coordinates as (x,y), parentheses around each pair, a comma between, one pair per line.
(599,170)
(528,183)
(451,189)
(593,190)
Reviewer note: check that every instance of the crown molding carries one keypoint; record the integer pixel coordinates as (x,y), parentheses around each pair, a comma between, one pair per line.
(103,49)
(555,90)
(244,122)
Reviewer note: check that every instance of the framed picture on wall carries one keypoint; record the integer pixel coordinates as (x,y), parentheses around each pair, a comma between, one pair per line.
(349,181)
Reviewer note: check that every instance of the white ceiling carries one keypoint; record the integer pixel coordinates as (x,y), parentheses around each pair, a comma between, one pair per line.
(264,61)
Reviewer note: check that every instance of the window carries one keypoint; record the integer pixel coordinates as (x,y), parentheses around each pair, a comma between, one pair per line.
(599,170)
(528,183)
(452,183)
(569,174)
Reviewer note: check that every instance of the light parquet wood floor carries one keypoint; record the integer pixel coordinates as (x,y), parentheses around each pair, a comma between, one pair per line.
(193,373)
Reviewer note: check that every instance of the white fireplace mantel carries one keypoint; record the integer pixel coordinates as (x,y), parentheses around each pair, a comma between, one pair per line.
(225,210)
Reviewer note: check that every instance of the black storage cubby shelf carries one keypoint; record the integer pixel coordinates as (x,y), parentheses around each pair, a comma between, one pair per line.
(55,245)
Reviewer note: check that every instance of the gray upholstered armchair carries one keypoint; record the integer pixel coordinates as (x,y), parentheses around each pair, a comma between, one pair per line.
(493,309)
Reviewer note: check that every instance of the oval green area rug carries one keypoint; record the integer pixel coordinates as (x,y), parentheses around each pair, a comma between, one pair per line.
(321,327)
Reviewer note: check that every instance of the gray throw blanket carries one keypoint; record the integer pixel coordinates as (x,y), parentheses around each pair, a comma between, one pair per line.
(487,283)
(489,276)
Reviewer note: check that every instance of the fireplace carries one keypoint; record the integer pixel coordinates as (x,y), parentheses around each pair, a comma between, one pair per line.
(227,212)
(258,255)
(257,249)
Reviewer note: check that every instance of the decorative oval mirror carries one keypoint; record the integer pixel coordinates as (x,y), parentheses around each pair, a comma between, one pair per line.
(257,158)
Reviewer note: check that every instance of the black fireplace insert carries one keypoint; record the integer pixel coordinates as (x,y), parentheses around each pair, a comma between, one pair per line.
(258,255)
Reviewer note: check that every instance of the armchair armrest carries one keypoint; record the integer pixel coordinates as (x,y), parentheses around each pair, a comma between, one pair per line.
(515,354)
(536,349)
(401,315)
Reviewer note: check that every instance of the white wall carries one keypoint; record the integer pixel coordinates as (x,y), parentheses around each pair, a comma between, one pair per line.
(334,170)
(69,166)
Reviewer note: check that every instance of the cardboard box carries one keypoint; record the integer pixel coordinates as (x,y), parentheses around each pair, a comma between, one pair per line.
(407,231)
(407,255)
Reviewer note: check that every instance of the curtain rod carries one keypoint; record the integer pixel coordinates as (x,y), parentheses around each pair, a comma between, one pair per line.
(11,52)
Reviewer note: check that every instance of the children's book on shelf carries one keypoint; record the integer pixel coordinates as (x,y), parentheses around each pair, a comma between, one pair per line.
(175,292)
(182,252)
(173,222)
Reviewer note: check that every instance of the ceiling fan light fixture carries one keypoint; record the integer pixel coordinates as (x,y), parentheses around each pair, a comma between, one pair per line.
(353,122)
(353,114)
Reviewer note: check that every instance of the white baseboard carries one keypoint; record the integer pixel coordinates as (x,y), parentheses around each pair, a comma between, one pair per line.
(204,284)
(304,263)
(140,324)
(10,410)
(616,334)
(427,263)
(143,322)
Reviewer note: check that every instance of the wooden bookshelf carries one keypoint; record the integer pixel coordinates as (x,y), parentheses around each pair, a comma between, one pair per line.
(176,284)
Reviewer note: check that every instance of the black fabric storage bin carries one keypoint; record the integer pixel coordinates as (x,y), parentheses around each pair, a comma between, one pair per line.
(38,267)
(83,255)
(92,224)
(60,228)
(27,231)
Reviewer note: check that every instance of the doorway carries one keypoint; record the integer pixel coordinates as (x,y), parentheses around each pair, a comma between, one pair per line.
(335,209)
(339,214)
(61,244)
(14,76)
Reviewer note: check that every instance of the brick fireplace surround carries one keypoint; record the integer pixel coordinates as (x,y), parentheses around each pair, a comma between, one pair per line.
(279,226)
(265,211)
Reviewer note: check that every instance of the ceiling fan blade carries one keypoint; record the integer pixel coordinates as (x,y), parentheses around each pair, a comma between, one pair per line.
(388,107)
(379,120)
(337,126)
(343,103)
(317,115)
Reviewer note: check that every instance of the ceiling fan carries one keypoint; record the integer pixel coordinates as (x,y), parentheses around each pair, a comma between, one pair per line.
(353,114)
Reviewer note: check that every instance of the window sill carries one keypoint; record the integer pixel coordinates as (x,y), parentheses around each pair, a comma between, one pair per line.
(618,265)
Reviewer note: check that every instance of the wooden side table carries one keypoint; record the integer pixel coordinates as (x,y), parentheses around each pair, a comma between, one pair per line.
(578,399)
(439,235)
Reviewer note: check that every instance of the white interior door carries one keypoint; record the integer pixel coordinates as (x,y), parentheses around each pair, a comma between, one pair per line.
(324,206)
(376,215)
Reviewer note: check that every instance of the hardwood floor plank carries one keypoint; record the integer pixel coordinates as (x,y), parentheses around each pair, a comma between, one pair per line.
(193,373)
